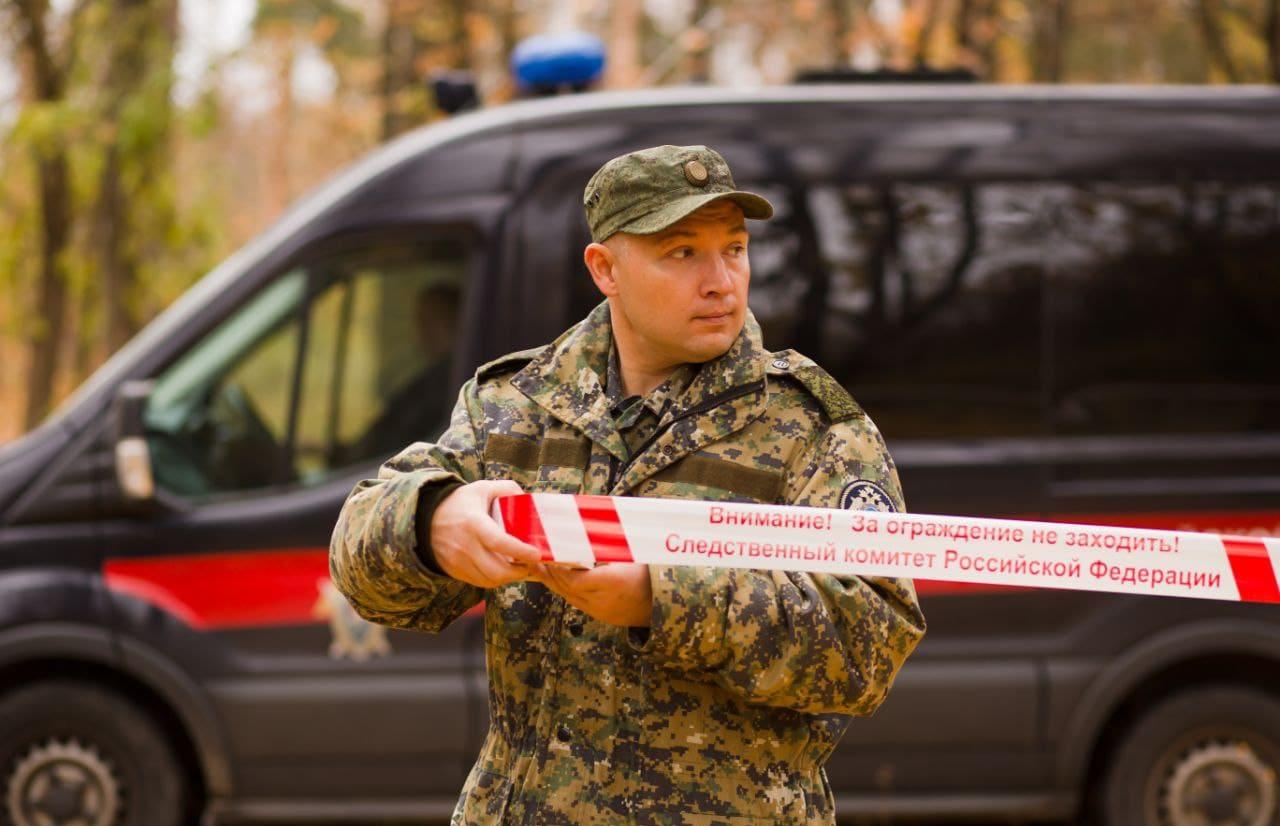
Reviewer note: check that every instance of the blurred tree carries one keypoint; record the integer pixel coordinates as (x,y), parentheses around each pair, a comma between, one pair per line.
(929,14)
(1210,18)
(624,48)
(417,39)
(290,29)
(133,205)
(1271,29)
(99,244)
(842,31)
(1242,37)
(1050,21)
(977,27)
(47,47)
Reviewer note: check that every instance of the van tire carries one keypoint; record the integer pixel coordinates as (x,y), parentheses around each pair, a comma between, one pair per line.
(112,761)
(1219,737)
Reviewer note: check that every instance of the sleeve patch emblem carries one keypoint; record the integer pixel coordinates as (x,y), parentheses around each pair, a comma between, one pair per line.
(863,495)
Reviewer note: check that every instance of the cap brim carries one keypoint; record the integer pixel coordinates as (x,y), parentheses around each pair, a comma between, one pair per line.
(753,206)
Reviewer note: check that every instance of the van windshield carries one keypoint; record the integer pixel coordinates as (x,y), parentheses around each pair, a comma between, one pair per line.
(341,361)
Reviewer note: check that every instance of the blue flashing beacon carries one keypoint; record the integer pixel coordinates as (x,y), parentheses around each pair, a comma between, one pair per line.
(546,62)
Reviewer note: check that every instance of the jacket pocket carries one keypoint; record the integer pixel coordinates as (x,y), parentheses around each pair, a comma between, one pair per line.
(484,800)
(549,464)
(707,476)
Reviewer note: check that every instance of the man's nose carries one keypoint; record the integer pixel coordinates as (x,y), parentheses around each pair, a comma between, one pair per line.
(716,278)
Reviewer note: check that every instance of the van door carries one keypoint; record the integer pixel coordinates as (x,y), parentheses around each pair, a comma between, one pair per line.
(257,434)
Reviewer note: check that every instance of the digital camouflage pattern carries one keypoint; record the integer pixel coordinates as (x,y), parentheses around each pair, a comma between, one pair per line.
(648,190)
(724,711)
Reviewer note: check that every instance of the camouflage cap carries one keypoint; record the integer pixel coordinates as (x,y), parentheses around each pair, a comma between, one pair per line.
(648,190)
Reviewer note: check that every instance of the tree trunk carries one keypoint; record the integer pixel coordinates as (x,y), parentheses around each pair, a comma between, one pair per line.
(459,40)
(1214,42)
(387,90)
(842,32)
(280,176)
(624,44)
(928,25)
(51,304)
(401,48)
(1050,40)
(47,81)
(1272,36)
(697,59)
(964,32)
(140,45)
(117,269)
(393,40)
(508,29)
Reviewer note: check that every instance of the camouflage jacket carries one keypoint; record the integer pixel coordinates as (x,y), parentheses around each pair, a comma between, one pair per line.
(725,710)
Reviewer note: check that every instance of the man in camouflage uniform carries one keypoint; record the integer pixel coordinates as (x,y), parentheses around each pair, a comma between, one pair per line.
(627,693)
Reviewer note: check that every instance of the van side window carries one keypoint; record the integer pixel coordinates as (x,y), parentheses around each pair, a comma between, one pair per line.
(1164,307)
(923,299)
(343,360)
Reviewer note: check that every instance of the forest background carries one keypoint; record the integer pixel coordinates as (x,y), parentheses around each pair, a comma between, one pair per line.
(141,141)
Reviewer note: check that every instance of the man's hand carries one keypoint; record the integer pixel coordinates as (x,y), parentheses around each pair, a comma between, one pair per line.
(617,593)
(469,546)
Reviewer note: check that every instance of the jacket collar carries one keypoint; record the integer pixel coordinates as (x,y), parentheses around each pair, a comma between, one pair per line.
(568,379)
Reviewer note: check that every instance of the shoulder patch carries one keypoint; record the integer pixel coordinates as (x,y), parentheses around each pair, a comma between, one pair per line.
(509,363)
(829,393)
(864,495)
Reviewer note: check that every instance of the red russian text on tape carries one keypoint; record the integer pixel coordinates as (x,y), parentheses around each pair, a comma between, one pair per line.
(584,530)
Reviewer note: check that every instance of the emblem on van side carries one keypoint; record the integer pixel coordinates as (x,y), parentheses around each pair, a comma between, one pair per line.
(353,636)
(863,495)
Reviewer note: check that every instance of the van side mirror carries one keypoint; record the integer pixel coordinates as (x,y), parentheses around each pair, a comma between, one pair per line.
(133,456)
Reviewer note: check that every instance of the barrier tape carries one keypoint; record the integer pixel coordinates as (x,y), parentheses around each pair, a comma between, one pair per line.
(583,530)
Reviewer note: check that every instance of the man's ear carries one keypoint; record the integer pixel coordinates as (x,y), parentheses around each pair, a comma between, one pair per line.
(602,262)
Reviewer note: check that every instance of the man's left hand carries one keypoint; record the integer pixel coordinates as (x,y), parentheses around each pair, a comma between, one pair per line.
(617,593)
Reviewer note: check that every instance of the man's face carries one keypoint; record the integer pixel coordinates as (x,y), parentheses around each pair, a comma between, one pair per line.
(682,292)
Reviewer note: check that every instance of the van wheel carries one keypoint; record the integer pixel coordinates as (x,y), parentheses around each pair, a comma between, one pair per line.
(74,753)
(1207,755)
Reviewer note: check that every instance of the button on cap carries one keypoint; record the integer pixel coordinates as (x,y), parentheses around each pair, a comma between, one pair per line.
(695,173)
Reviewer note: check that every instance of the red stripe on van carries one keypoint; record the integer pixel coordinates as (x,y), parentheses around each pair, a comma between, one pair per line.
(231,589)
(228,589)
(935,587)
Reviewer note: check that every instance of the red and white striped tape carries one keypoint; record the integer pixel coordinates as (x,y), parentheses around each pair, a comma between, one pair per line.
(584,530)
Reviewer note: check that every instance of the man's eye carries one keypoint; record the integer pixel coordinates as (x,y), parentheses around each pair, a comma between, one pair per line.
(738,249)
(681,252)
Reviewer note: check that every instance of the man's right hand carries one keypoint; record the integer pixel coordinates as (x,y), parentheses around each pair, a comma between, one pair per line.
(468,544)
